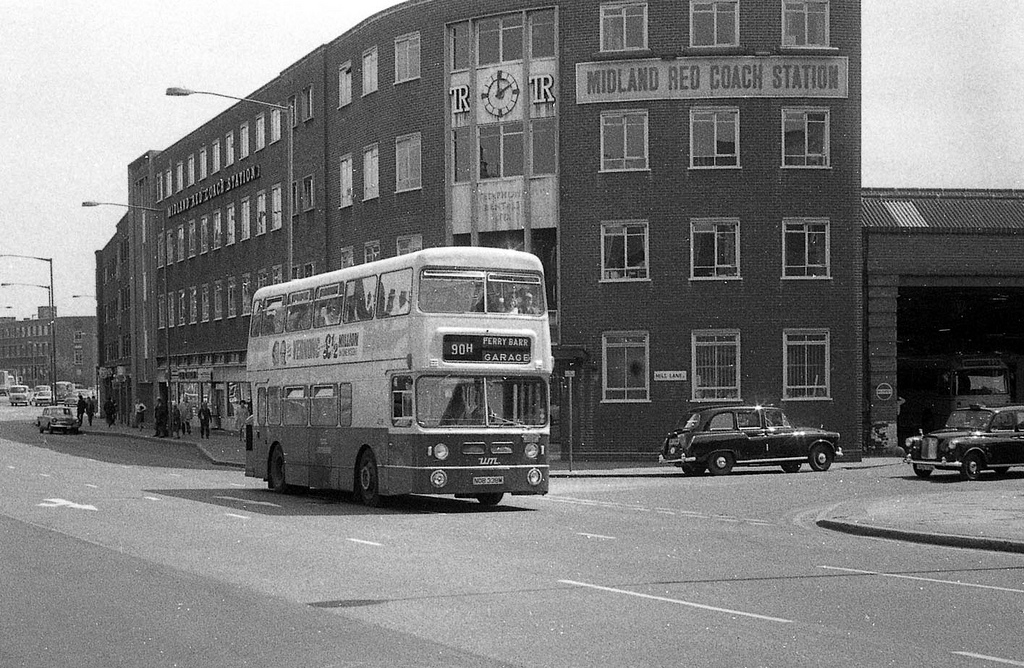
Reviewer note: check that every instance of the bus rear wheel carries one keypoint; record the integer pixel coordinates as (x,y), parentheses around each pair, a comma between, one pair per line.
(367,480)
(490,498)
(275,471)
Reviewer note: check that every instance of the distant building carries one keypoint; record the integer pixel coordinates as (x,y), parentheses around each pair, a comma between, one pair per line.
(25,348)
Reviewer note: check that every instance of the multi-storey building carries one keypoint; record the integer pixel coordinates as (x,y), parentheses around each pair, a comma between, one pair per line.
(688,173)
(25,347)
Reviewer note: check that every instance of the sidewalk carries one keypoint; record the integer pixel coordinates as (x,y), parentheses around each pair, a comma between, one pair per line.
(967,515)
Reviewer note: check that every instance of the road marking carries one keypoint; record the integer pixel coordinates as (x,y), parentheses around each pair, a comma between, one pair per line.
(238,484)
(247,501)
(922,579)
(241,517)
(151,498)
(64,503)
(89,484)
(595,535)
(995,659)
(45,475)
(679,602)
(366,542)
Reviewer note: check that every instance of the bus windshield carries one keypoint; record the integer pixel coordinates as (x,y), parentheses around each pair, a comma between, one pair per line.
(471,291)
(468,401)
(982,381)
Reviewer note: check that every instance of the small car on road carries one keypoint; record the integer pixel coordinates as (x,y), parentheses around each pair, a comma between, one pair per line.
(717,439)
(42,396)
(19,394)
(57,418)
(974,439)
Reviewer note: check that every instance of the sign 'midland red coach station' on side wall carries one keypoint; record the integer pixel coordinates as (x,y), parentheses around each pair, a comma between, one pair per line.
(722,77)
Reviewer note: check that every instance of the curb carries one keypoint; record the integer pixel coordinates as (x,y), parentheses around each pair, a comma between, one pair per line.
(946,540)
(198,446)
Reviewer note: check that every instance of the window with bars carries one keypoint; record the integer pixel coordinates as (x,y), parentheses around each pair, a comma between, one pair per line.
(806,357)
(716,365)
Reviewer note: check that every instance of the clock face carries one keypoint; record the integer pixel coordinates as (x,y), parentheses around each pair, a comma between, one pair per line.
(500,93)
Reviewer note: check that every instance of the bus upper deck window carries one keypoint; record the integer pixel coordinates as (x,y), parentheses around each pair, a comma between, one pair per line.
(256,319)
(300,312)
(328,305)
(273,316)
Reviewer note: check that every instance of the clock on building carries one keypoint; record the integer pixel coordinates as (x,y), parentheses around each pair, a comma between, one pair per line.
(500,93)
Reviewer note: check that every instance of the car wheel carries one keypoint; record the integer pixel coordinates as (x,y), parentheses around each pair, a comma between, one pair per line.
(367,480)
(490,498)
(276,471)
(692,469)
(821,457)
(921,472)
(791,467)
(720,463)
(971,466)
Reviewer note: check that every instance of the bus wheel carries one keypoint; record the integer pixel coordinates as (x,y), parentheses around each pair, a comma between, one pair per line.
(490,498)
(275,471)
(368,483)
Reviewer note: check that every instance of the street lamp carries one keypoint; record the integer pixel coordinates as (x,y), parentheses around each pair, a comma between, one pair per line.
(176,91)
(53,318)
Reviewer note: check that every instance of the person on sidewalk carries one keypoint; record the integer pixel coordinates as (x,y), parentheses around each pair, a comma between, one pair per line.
(185,408)
(204,420)
(110,412)
(175,420)
(160,416)
(241,419)
(81,406)
(140,414)
(90,408)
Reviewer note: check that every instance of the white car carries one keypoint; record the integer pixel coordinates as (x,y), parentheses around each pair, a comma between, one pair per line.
(19,394)
(42,396)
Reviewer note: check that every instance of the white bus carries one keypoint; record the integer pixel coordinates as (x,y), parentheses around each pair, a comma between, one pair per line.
(426,373)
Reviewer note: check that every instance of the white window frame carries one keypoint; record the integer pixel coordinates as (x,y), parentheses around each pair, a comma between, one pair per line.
(229,148)
(193,305)
(407,57)
(204,301)
(229,224)
(347,257)
(261,213)
(261,131)
(182,308)
(246,288)
(608,11)
(624,341)
(804,11)
(191,169)
(243,140)
(806,224)
(192,238)
(202,163)
(371,251)
(408,166)
(245,220)
(345,180)
(218,300)
(714,226)
(180,176)
(232,301)
(275,125)
(714,339)
(806,156)
(307,103)
(217,235)
(719,160)
(716,4)
(276,211)
(204,235)
(345,84)
(215,153)
(625,273)
(622,117)
(371,172)
(408,243)
(370,83)
(806,339)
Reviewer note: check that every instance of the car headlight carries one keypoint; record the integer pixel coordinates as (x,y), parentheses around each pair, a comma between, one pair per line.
(441,451)
(531,450)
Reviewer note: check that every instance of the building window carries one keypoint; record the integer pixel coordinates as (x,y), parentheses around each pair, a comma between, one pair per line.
(229,149)
(170,246)
(805,138)
(261,131)
(193,305)
(714,23)
(204,235)
(344,84)
(261,212)
(459,39)
(345,180)
(246,221)
(202,163)
(714,248)
(180,177)
(277,274)
(716,365)
(806,357)
(215,151)
(276,217)
(275,125)
(229,225)
(407,162)
(243,141)
(204,296)
(501,150)
(462,151)
(369,70)
(307,103)
(805,23)
(246,294)
(624,26)
(409,244)
(182,310)
(347,257)
(170,184)
(192,169)
(544,146)
(500,39)
(407,57)
(623,140)
(293,110)
(181,240)
(626,357)
(232,298)
(218,230)
(714,137)
(370,183)
(308,201)
(218,300)
(542,34)
(192,238)
(371,251)
(805,249)
(624,251)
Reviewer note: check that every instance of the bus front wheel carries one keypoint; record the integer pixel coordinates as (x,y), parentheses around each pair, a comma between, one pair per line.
(275,471)
(490,498)
(367,480)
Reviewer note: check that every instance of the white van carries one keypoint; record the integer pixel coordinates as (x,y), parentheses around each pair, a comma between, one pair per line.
(19,394)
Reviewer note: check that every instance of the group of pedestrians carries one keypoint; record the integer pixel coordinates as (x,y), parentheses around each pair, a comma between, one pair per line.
(86,407)
(177,418)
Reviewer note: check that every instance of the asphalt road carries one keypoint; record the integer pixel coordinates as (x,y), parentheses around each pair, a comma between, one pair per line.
(114,562)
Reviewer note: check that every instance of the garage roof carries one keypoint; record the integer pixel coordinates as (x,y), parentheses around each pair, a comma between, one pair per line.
(938,209)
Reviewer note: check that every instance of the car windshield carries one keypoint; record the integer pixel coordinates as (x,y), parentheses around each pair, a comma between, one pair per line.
(969,418)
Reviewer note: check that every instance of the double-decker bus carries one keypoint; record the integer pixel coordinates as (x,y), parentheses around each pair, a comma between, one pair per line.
(426,373)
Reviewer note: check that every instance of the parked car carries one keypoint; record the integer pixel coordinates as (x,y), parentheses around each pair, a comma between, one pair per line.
(974,439)
(717,439)
(42,396)
(57,418)
(19,394)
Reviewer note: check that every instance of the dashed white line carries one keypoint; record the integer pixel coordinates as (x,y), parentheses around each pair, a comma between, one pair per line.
(249,501)
(241,517)
(151,498)
(676,601)
(89,484)
(595,535)
(995,659)
(366,542)
(922,579)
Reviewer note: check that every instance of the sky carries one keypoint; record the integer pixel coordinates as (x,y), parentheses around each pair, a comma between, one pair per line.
(82,94)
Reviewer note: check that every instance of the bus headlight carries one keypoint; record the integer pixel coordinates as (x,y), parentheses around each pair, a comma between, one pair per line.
(534,477)
(531,450)
(441,451)
(438,478)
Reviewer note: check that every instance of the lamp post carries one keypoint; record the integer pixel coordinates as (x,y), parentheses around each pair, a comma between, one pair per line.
(167,340)
(53,318)
(176,91)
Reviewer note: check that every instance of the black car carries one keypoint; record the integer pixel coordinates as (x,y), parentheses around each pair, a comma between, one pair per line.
(974,439)
(717,439)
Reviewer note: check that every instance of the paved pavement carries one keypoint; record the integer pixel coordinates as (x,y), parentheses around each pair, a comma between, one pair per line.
(969,515)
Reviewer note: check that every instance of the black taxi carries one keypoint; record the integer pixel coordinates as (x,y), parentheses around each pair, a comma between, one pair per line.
(974,438)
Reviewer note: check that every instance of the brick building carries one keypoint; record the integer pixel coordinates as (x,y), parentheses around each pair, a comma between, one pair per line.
(25,348)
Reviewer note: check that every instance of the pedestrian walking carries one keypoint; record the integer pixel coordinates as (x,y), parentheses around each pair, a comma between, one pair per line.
(90,408)
(175,420)
(140,414)
(241,419)
(204,420)
(110,412)
(160,416)
(81,408)
(186,410)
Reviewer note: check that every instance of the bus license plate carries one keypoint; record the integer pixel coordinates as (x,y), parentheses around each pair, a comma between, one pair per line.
(489,480)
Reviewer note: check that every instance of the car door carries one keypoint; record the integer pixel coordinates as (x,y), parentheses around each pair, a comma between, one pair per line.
(1004,440)
(753,444)
(781,441)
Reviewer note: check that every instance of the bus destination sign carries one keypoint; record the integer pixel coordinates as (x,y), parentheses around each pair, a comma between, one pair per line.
(487,348)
